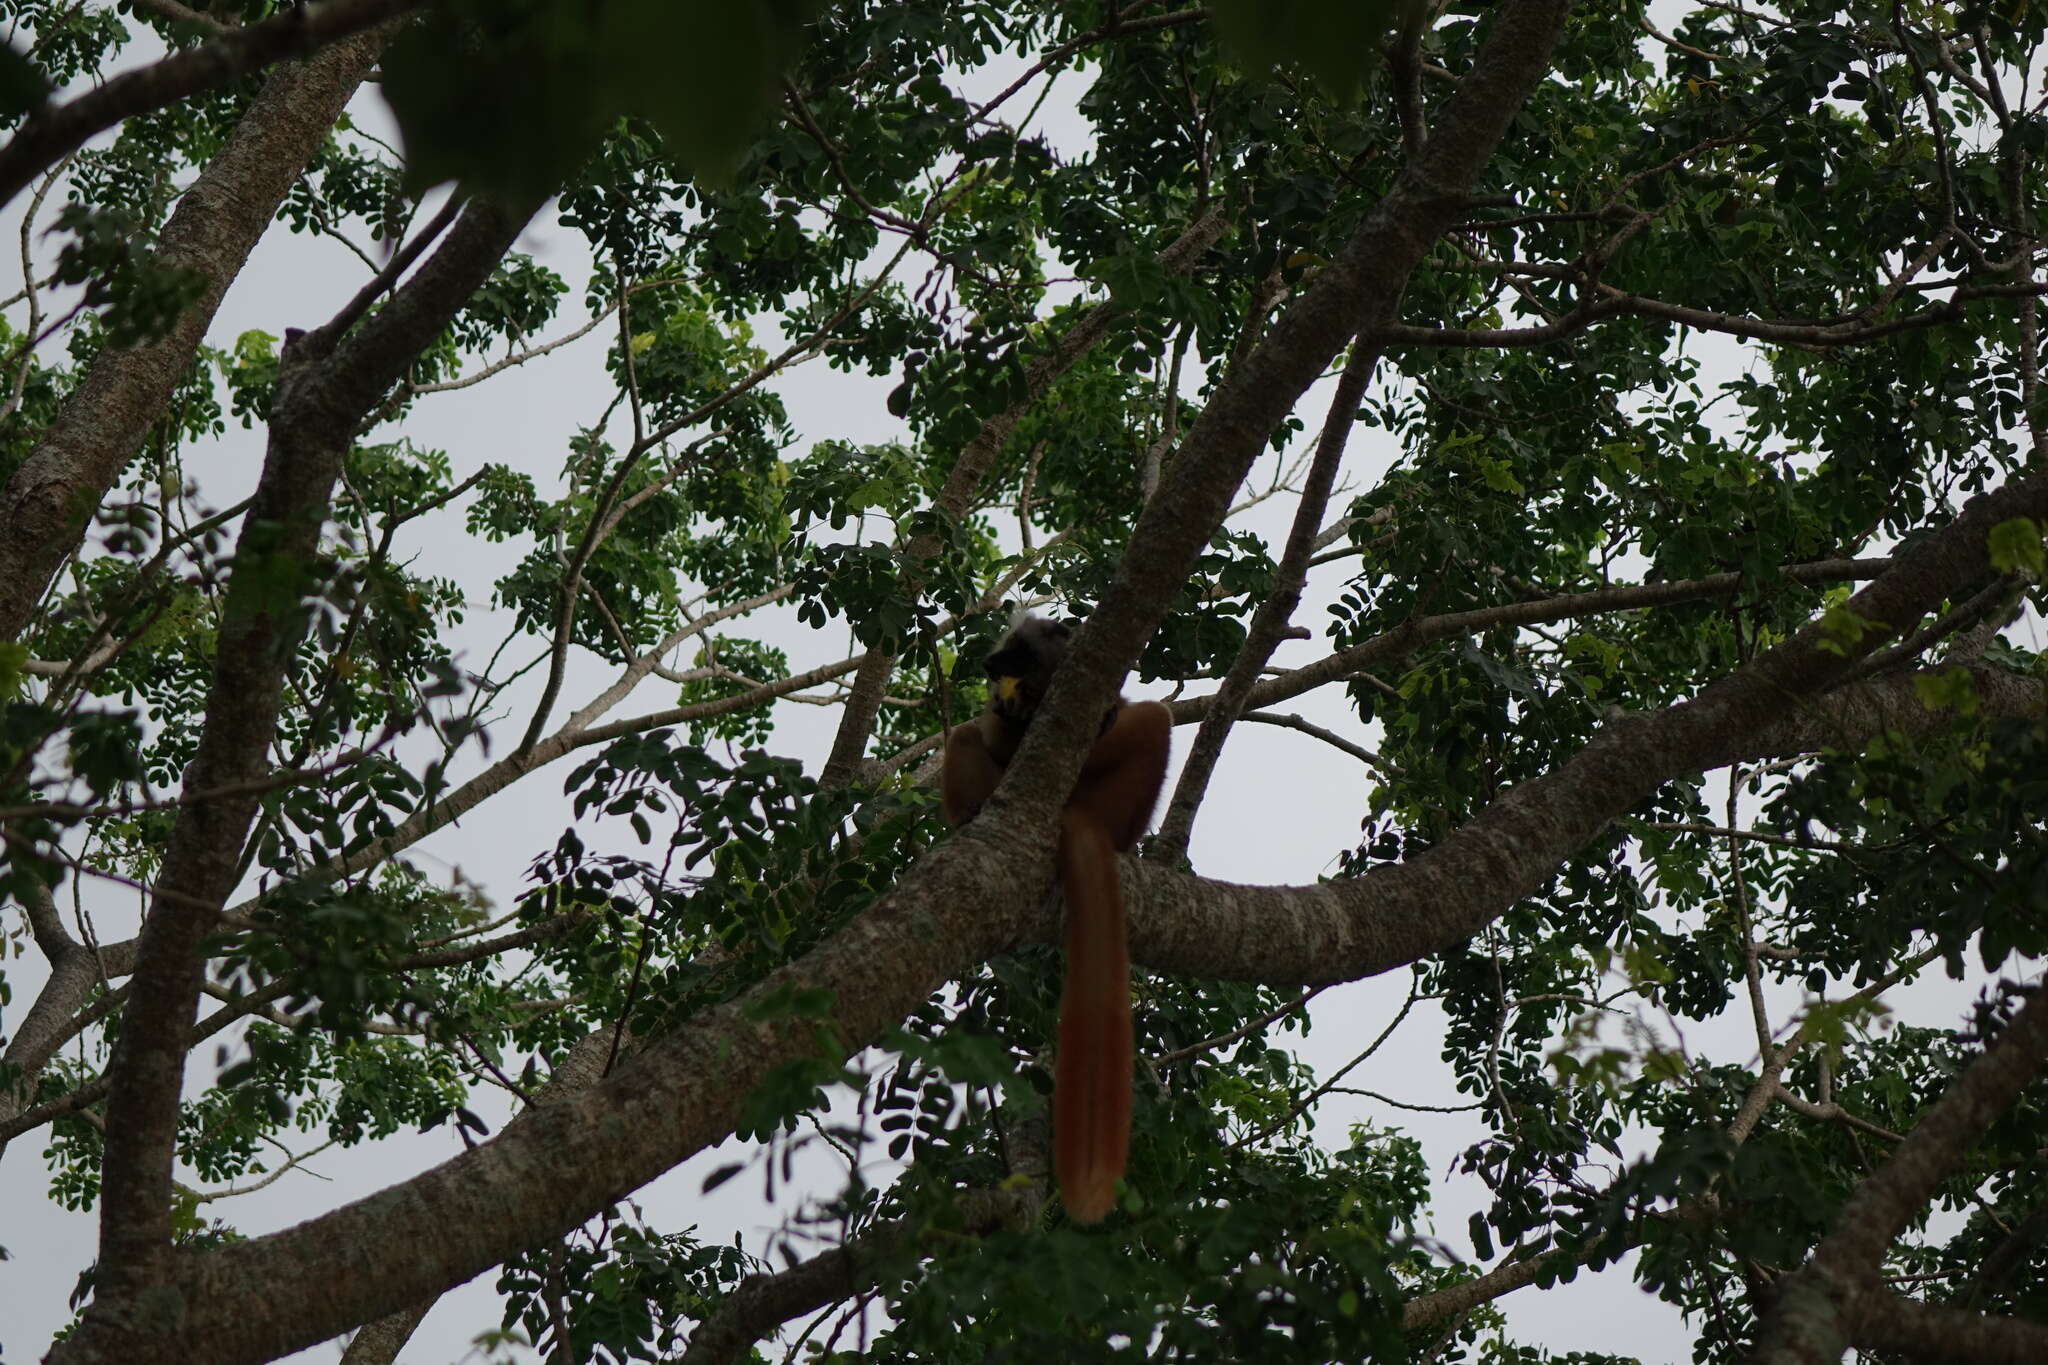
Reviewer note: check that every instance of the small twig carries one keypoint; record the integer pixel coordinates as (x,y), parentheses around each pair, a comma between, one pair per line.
(270,1178)
(68,671)
(28,288)
(1301,1106)
(1833,1113)
(1643,22)
(1404,1104)
(1329,737)
(1759,837)
(1751,973)
(65,810)
(1251,1027)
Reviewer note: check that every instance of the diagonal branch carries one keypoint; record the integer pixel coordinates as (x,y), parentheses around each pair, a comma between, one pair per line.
(1821,1307)
(1401,912)
(1270,622)
(319,400)
(45,507)
(864,703)
(54,131)
(764,1302)
(1927,1331)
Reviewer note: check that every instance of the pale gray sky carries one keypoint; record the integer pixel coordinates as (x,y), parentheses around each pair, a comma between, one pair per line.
(1282,806)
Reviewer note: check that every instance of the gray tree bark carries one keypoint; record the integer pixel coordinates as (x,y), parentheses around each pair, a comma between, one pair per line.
(47,505)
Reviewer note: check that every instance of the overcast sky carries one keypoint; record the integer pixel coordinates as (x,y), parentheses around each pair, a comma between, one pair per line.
(1281,807)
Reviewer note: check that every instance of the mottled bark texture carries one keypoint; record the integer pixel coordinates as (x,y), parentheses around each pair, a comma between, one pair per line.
(864,698)
(1820,1309)
(74,970)
(1907,1329)
(47,505)
(379,1343)
(968,898)
(322,396)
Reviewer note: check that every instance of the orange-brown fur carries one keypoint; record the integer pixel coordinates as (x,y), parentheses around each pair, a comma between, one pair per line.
(1110,807)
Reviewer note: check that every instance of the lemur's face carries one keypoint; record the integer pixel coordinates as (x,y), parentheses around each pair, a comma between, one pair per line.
(1022,665)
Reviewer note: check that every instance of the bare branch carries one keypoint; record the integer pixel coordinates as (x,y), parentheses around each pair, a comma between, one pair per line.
(1181,1054)
(1643,22)
(1275,614)
(267,1179)
(1414,635)
(1329,737)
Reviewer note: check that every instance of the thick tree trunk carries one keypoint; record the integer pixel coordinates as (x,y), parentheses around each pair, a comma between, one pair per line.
(961,903)
(324,390)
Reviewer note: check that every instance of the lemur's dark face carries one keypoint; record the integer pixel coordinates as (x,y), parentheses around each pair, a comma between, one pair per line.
(1022,665)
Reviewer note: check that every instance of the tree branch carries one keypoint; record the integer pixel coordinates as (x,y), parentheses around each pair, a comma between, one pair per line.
(1413,635)
(1955,1336)
(764,1302)
(1269,624)
(55,131)
(48,503)
(319,400)
(871,682)
(1609,302)
(1820,1306)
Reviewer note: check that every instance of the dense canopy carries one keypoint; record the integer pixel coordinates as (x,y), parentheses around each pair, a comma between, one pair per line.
(1644,401)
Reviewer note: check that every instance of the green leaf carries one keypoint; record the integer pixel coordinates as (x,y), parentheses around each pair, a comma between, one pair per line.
(785,1092)
(1951,689)
(1498,475)
(512,96)
(23,87)
(1843,630)
(1337,42)
(2015,547)
(13,661)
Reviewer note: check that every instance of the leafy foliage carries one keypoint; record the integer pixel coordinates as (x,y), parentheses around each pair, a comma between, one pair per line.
(1737,301)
